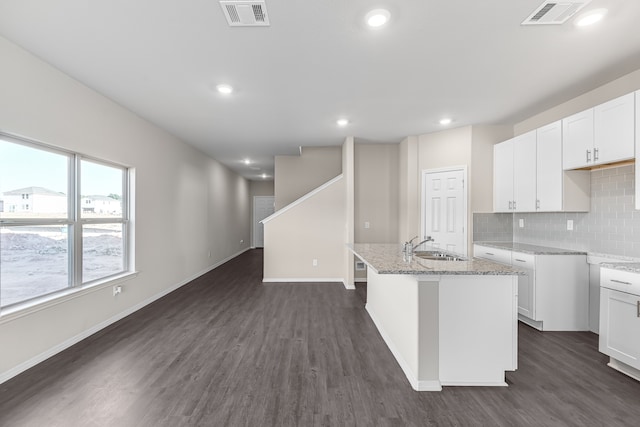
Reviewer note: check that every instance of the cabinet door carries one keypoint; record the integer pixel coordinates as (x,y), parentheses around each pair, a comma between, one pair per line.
(620,326)
(503,177)
(524,172)
(526,284)
(577,140)
(549,171)
(614,130)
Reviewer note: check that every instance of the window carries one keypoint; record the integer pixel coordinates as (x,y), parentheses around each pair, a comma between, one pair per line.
(74,230)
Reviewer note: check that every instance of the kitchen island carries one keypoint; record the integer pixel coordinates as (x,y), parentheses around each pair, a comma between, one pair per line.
(446,322)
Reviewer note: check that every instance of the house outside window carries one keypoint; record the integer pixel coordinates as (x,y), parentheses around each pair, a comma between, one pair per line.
(52,244)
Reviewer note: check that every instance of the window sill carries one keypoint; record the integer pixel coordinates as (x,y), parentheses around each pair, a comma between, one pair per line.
(24,309)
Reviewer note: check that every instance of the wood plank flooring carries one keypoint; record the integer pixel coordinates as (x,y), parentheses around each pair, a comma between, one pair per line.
(227,350)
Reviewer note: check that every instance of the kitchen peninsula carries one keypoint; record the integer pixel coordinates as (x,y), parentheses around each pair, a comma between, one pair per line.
(446,322)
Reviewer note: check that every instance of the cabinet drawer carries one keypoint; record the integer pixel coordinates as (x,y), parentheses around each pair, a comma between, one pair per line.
(623,281)
(502,256)
(519,259)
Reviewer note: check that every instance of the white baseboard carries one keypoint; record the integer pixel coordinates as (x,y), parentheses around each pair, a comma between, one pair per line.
(308,280)
(416,384)
(302,280)
(7,375)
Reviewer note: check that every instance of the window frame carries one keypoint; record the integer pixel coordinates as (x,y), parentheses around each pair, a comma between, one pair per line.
(74,222)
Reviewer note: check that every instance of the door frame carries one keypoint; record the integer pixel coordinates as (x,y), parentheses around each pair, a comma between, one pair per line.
(253,219)
(423,200)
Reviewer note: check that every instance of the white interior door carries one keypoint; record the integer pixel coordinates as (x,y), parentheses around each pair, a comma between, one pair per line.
(263,206)
(444,212)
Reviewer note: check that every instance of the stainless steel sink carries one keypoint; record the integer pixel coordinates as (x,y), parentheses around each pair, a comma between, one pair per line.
(438,256)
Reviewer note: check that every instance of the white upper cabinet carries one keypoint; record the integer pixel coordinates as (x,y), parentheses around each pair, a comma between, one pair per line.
(503,177)
(549,176)
(524,172)
(528,175)
(600,135)
(577,140)
(614,130)
(638,149)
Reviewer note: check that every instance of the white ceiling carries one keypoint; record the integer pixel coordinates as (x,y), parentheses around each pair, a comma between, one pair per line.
(317,62)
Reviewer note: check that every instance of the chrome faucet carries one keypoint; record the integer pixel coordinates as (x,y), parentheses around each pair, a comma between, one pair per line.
(409,247)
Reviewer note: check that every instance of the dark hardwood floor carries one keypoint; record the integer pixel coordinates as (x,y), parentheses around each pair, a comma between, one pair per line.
(227,350)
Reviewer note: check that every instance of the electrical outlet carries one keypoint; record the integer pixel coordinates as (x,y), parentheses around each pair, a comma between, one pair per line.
(570,225)
(315,262)
(521,222)
(117,290)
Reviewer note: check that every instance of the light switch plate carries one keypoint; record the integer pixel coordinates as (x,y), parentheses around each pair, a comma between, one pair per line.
(521,222)
(366,224)
(570,224)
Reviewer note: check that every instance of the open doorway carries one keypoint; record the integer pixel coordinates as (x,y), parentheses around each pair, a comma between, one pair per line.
(263,206)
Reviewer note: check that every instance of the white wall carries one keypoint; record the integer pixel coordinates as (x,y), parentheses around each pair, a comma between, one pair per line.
(312,229)
(376,193)
(186,204)
(611,90)
(295,176)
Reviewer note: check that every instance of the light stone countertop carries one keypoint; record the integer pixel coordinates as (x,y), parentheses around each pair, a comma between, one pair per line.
(633,267)
(531,249)
(388,259)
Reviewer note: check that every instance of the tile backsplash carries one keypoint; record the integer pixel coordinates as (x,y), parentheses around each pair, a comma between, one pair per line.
(611,227)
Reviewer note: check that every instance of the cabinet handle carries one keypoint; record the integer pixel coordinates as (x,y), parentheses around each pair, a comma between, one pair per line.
(538,204)
(510,205)
(520,260)
(514,205)
(595,154)
(588,156)
(621,282)
(488,253)
(638,312)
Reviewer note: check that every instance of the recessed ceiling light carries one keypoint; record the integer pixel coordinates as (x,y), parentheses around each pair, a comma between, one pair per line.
(445,121)
(224,89)
(264,176)
(591,17)
(342,122)
(246,161)
(377,18)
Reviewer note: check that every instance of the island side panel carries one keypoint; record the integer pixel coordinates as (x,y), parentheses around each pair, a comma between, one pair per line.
(428,331)
(392,303)
(478,329)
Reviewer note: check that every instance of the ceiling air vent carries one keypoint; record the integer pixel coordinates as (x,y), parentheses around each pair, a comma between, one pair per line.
(245,13)
(555,12)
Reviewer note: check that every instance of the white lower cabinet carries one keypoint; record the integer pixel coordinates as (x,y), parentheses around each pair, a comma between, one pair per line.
(526,284)
(620,320)
(553,295)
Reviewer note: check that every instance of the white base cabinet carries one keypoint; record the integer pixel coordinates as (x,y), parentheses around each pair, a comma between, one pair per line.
(554,294)
(620,320)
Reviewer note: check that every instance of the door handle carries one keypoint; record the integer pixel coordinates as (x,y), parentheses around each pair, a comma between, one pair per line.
(620,281)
